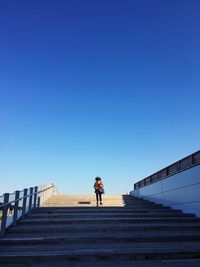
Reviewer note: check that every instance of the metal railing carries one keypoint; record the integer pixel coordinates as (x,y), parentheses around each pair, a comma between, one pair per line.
(16,205)
(179,166)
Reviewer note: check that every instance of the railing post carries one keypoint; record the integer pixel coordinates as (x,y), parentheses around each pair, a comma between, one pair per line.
(167,171)
(30,199)
(35,197)
(54,190)
(41,195)
(178,166)
(192,159)
(45,193)
(16,206)
(38,201)
(4,214)
(24,203)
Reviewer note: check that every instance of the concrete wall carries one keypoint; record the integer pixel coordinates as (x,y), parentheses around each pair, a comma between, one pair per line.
(180,191)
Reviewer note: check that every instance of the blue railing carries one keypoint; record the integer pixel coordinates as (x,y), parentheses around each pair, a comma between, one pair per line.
(16,205)
(179,166)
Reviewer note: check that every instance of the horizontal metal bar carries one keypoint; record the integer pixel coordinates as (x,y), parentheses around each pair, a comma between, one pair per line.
(169,172)
(13,201)
(2,196)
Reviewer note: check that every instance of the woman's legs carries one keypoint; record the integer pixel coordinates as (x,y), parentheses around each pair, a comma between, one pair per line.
(99,198)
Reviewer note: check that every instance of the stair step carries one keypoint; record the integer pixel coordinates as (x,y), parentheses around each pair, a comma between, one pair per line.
(52,228)
(108,215)
(111,251)
(108,220)
(97,209)
(94,238)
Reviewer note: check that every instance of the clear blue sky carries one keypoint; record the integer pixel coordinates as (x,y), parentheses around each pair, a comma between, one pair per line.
(108,88)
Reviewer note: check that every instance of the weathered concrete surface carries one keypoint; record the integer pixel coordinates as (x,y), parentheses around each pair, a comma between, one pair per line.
(161,263)
(121,235)
(83,201)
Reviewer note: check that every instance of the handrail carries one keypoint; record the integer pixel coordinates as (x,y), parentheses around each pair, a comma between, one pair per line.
(10,193)
(33,198)
(177,167)
(39,192)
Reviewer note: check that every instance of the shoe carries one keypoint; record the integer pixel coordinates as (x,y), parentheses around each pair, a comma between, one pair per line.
(100,203)
(97,205)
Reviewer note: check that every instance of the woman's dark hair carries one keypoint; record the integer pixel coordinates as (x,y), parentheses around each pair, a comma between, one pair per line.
(97,178)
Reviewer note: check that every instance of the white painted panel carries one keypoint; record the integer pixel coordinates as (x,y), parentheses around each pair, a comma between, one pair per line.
(157,201)
(158,198)
(155,188)
(180,191)
(189,208)
(19,214)
(9,221)
(183,195)
(188,177)
(135,193)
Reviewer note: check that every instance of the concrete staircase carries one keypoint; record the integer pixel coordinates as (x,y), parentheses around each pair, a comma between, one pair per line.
(70,230)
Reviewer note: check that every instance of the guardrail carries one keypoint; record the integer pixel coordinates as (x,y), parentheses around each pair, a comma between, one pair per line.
(179,166)
(16,205)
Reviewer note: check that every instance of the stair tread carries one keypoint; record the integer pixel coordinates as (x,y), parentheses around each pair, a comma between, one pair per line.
(99,235)
(123,224)
(121,248)
(107,218)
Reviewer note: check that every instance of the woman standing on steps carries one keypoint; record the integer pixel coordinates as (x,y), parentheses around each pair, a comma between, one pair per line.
(99,190)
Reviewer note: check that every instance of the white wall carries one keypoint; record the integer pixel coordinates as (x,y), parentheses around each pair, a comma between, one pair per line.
(180,191)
